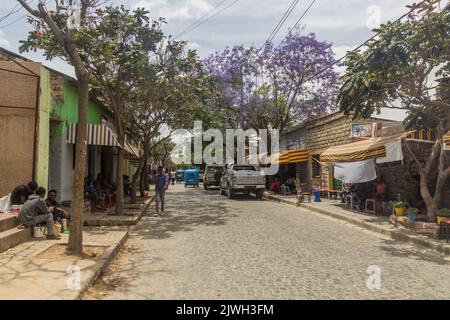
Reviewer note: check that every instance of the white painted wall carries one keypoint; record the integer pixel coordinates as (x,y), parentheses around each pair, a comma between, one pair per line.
(67,172)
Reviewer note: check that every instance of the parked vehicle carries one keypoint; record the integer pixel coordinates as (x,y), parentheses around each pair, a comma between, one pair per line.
(191,177)
(179,176)
(242,178)
(212,176)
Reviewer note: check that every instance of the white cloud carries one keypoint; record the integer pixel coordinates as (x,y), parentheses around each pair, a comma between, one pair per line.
(193,45)
(391,114)
(341,51)
(176,10)
(3,41)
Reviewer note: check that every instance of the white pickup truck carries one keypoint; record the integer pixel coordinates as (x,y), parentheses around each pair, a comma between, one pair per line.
(244,179)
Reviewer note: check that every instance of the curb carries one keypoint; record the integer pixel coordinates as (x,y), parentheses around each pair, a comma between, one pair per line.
(99,222)
(111,254)
(106,259)
(144,209)
(393,234)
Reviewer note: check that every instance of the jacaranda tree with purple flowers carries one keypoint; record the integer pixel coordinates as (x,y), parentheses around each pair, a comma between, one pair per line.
(274,87)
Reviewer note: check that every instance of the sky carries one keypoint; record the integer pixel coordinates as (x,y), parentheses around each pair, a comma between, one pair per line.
(344,23)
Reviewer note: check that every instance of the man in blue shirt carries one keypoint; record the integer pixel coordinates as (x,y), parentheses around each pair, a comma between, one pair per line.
(160,181)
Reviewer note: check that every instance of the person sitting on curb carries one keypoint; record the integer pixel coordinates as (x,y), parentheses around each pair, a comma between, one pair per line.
(275,186)
(35,211)
(59,214)
(21,193)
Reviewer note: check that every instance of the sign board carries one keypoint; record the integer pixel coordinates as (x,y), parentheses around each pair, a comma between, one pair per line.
(362,130)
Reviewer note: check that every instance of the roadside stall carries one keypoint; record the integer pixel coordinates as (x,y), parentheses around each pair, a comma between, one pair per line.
(360,166)
(292,169)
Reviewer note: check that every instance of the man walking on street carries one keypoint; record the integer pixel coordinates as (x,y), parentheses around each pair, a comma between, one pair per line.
(160,181)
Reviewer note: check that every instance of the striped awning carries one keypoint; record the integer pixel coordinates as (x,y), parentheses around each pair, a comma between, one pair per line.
(97,135)
(361,150)
(298,156)
(428,135)
(100,135)
(290,156)
(423,134)
(282,157)
(376,147)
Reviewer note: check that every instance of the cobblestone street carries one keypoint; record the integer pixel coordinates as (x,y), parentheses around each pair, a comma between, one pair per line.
(209,247)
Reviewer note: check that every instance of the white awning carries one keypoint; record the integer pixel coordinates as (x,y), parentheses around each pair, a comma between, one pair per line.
(97,135)
(100,135)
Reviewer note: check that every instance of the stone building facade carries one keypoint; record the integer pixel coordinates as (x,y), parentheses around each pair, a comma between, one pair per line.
(25,103)
(331,130)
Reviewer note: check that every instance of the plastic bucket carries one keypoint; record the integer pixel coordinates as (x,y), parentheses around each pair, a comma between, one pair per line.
(38,232)
(15,209)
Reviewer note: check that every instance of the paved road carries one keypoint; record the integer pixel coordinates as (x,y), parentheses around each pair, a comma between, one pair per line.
(209,247)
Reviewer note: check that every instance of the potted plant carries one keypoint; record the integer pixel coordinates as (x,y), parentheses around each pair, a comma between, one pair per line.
(399,208)
(412,213)
(443,215)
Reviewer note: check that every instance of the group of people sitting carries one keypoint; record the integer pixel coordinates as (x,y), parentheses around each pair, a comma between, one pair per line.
(35,210)
(377,190)
(276,186)
(98,188)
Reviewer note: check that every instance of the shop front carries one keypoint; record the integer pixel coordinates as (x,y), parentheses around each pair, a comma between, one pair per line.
(101,157)
(332,130)
(392,159)
(292,169)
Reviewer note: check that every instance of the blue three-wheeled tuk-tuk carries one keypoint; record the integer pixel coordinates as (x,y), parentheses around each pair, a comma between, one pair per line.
(191,177)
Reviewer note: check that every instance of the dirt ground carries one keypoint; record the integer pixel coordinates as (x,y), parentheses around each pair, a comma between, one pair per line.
(58,252)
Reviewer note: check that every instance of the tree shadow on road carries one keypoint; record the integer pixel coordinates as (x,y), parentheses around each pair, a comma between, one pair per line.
(400,250)
(184,211)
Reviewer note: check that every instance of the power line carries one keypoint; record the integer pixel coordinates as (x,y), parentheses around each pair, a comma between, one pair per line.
(298,21)
(356,49)
(214,15)
(200,19)
(11,12)
(11,23)
(280,23)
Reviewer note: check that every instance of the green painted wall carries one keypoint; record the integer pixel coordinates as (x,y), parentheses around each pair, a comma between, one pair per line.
(45,107)
(69,109)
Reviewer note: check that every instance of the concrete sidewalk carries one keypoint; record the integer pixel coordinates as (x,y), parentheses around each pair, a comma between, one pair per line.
(131,215)
(379,224)
(41,270)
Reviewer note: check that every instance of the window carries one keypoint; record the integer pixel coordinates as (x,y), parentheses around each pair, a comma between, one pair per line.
(315,166)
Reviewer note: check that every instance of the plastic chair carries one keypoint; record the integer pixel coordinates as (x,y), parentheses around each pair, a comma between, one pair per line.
(103,203)
(349,201)
(303,194)
(374,210)
(285,190)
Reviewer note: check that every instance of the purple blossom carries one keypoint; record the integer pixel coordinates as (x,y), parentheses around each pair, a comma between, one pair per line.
(276,86)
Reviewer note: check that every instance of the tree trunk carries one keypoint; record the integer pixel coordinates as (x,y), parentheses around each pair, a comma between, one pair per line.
(137,175)
(146,180)
(75,244)
(433,202)
(134,184)
(119,182)
(143,179)
(427,197)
